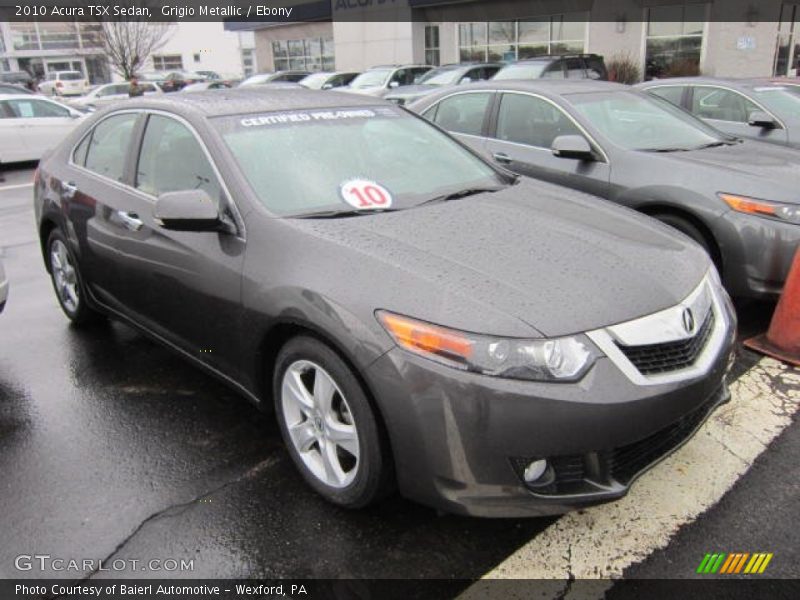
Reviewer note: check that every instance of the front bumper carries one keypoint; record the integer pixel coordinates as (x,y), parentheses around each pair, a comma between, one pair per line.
(757,254)
(461,440)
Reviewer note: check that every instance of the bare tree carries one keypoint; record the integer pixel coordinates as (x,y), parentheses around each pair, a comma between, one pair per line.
(129,43)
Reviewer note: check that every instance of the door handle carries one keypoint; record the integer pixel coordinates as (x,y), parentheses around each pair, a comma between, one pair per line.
(68,189)
(131,220)
(502,157)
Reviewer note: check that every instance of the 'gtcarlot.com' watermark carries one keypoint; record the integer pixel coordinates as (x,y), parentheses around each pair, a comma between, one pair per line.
(54,564)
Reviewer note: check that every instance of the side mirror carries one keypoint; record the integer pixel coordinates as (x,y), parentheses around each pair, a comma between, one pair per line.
(572,146)
(189,210)
(394,84)
(759,118)
(466,80)
(327,86)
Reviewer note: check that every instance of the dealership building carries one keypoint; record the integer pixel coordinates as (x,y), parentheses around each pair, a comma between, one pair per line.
(665,37)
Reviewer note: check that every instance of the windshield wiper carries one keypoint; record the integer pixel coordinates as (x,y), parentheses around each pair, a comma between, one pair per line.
(461,194)
(336,214)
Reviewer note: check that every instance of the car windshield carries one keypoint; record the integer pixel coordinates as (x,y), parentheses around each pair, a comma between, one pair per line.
(373,78)
(315,81)
(255,79)
(780,99)
(532,70)
(638,122)
(303,162)
(443,76)
(71,76)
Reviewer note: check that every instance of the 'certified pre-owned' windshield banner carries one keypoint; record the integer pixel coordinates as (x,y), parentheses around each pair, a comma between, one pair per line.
(250,14)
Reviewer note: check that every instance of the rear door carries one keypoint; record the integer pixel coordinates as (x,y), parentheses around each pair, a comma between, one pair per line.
(13,138)
(729,111)
(465,115)
(43,123)
(521,136)
(94,194)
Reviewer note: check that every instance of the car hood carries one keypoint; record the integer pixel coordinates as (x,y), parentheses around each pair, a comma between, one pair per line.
(558,260)
(753,168)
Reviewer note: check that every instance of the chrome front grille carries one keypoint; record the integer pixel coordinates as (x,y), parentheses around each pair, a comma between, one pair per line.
(652,359)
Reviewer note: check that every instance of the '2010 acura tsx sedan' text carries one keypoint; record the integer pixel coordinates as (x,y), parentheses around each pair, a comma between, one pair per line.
(418,317)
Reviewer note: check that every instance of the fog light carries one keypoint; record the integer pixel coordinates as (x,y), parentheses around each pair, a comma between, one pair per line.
(534,471)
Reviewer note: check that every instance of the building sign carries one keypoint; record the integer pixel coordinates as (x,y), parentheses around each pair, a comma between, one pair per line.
(746,42)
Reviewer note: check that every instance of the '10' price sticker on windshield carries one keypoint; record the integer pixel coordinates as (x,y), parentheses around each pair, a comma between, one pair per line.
(364,194)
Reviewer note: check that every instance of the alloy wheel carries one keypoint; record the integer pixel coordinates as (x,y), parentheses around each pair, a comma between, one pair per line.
(65,276)
(320,424)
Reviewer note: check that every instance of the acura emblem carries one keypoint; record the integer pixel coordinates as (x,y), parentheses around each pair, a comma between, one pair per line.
(688,320)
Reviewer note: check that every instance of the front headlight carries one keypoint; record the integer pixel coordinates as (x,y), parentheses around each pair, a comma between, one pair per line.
(762,208)
(557,359)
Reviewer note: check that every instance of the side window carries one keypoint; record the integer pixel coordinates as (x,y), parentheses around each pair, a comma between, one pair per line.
(5,111)
(79,155)
(34,109)
(721,104)
(399,77)
(109,144)
(672,93)
(172,160)
(417,74)
(463,113)
(532,121)
(554,71)
(595,68)
(575,69)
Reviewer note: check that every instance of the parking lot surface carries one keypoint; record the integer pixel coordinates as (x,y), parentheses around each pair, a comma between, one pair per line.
(113,447)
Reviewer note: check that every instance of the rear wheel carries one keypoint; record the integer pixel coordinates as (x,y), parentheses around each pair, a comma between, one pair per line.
(328,424)
(67,281)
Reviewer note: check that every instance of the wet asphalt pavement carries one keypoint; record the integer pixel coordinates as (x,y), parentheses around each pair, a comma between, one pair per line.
(111,446)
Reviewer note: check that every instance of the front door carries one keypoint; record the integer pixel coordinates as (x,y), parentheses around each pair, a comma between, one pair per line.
(184,286)
(522,137)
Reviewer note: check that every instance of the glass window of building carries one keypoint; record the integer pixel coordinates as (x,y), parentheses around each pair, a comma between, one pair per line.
(311,54)
(432,48)
(168,62)
(514,40)
(674,40)
(59,35)
(787,57)
(91,34)
(24,36)
(248,65)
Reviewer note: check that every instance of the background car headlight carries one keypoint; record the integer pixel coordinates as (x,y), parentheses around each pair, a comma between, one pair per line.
(557,359)
(763,208)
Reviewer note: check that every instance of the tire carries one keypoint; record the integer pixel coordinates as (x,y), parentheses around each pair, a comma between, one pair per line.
(691,230)
(67,281)
(334,439)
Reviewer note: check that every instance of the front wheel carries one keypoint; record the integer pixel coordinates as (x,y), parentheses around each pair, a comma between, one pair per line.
(67,280)
(328,424)
(690,229)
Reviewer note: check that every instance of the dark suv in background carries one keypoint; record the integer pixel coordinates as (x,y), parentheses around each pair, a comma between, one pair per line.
(560,66)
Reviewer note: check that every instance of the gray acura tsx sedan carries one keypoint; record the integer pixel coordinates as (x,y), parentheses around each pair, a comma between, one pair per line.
(736,198)
(416,316)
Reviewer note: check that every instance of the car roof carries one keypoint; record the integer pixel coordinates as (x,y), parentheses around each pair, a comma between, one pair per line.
(23,97)
(736,82)
(237,101)
(547,86)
